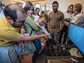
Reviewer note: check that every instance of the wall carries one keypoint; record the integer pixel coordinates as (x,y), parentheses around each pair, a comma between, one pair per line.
(6,1)
(63,4)
(11,1)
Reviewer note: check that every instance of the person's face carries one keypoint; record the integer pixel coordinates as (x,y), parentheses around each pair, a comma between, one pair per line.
(38,11)
(30,12)
(20,20)
(42,21)
(70,9)
(74,10)
(54,7)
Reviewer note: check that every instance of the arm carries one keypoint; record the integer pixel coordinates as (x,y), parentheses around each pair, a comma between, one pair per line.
(44,30)
(30,22)
(49,23)
(62,22)
(12,35)
(67,19)
(77,19)
(30,38)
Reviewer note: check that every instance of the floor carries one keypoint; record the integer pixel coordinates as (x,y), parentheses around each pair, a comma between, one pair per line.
(59,59)
(28,58)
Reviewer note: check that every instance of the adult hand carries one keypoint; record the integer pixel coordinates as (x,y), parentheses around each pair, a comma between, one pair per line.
(46,36)
(57,30)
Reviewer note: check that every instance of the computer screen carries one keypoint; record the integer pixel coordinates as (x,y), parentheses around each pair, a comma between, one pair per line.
(76,35)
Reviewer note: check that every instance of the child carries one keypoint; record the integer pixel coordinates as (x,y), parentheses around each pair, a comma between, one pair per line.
(32,28)
(41,21)
(28,47)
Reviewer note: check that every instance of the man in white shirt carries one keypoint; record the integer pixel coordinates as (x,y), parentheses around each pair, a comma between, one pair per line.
(78,17)
(77,20)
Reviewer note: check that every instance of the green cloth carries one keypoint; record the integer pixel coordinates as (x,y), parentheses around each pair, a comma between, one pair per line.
(30,25)
(29,47)
(30,22)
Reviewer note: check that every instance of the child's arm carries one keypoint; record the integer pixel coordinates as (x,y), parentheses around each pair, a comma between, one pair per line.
(44,30)
(37,32)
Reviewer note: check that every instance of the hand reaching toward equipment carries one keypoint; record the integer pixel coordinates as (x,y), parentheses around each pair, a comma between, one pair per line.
(46,36)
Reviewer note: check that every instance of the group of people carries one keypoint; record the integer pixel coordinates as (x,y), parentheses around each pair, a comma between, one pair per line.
(11,36)
(14,41)
(72,15)
(58,23)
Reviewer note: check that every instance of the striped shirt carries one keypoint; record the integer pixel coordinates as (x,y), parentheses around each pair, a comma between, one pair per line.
(30,22)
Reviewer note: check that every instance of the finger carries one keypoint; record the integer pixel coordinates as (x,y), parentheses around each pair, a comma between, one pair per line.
(20,45)
(23,46)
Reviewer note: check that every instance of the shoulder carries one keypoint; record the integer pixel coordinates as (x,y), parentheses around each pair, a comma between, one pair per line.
(65,12)
(79,15)
(60,12)
(28,19)
(51,13)
(36,17)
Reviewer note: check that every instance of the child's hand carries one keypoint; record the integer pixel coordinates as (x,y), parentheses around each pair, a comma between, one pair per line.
(21,45)
(37,32)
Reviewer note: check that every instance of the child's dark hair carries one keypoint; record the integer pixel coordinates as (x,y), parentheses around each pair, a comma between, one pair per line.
(44,15)
(27,5)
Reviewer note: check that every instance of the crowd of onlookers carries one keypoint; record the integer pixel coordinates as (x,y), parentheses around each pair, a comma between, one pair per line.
(21,28)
